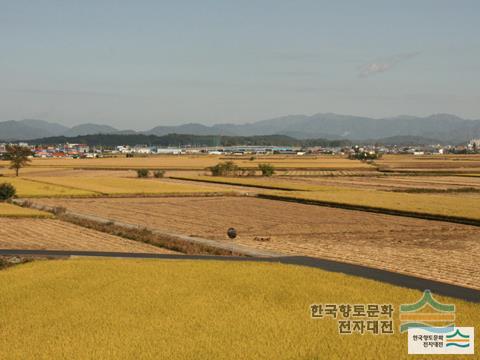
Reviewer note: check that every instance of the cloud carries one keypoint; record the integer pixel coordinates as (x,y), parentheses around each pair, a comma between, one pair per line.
(384,64)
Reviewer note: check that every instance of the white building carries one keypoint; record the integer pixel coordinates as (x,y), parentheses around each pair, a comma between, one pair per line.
(474,144)
(174,151)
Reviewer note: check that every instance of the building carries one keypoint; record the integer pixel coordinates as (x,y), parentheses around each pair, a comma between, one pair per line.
(474,145)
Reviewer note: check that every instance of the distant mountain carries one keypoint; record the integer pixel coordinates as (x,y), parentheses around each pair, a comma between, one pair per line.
(444,128)
(87,129)
(28,129)
(404,140)
(439,127)
(192,128)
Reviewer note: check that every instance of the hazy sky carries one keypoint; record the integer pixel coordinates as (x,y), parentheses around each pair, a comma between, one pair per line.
(137,64)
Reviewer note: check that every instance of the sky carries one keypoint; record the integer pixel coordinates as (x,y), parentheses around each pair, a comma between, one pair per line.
(139,64)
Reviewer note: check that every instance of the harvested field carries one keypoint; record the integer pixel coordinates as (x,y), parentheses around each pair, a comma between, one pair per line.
(443,203)
(430,163)
(328,173)
(381,182)
(405,245)
(200,162)
(260,182)
(12,211)
(390,182)
(50,234)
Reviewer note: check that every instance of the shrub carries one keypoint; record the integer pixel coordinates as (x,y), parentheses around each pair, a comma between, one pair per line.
(159,173)
(7,191)
(227,168)
(143,173)
(266,169)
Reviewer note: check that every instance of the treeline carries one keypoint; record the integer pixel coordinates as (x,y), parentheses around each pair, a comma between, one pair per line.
(111,140)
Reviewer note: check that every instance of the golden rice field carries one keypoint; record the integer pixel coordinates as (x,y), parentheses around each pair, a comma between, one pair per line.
(445,205)
(200,162)
(125,186)
(28,188)
(9,210)
(180,309)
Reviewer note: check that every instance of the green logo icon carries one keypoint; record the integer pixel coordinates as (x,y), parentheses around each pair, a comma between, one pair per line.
(417,314)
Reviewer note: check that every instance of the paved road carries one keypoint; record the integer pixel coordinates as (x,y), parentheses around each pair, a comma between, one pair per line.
(412,282)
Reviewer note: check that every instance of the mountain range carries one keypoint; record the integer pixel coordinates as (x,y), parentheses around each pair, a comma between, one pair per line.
(442,128)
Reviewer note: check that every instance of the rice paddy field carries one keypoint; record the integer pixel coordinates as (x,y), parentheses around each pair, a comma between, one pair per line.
(200,162)
(444,197)
(71,186)
(430,163)
(53,234)
(259,182)
(29,188)
(184,309)
(401,244)
(13,211)
(427,204)
(87,308)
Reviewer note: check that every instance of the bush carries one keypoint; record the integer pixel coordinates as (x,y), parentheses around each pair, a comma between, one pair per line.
(143,173)
(266,169)
(7,191)
(227,168)
(159,173)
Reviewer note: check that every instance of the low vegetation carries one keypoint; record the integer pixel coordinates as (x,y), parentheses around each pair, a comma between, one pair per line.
(159,174)
(266,169)
(143,173)
(227,168)
(7,191)
(254,311)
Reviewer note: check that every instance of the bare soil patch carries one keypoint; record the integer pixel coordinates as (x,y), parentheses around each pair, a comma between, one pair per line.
(430,249)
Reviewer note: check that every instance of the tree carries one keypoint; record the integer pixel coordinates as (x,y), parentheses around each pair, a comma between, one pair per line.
(266,169)
(143,173)
(18,156)
(7,191)
(228,168)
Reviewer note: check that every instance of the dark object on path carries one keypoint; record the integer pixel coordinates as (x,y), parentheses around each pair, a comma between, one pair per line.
(232,233)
